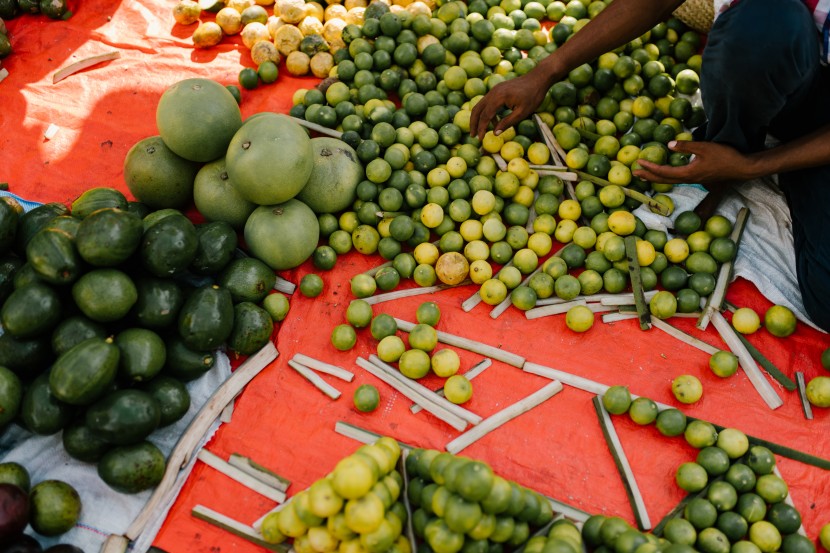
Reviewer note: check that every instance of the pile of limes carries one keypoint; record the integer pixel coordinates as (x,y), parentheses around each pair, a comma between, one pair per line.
(736,502)
(357,507)
(461,504)
(434,196)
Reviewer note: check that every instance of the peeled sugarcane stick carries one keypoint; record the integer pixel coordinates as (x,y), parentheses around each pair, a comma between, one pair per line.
(555,309)
(318,128)
(550,141)
(468,304)
(240,476)
(630,483)
(315,379)
(323,367)
(802,396)
(188,442)
(479,368)
(715,300)
(470,345)
(643,313)
(236,528)
(500,163)
(594,298)
(425,392)
(506,302)
(436,409)
(409,292)
(625,299)
(505,415)
(683,337)
(86,63)
(618,316)
(259,472)
(761,384)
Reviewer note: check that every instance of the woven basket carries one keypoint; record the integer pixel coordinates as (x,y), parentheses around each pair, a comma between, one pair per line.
(697,14)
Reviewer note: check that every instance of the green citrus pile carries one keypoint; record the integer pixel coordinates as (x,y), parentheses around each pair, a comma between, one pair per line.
(460,503)
(738,501)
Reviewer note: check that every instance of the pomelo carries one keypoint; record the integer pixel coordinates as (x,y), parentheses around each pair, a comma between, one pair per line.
(282,235)
(216,197)
(270,159)
(158,177)
(335,174)
(197,118)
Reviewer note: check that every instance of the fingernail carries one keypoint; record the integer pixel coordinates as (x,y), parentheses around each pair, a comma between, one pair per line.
(496,133)
(672,143)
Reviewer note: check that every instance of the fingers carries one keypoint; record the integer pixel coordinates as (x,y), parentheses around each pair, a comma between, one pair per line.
(667,174)
(686,146)
(484,112)
(510,120)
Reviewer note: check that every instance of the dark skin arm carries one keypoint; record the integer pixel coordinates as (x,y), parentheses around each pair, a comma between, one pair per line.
(619,23)
(715,164)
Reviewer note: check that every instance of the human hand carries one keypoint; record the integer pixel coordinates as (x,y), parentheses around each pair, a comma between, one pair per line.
(522,95)
(712,163)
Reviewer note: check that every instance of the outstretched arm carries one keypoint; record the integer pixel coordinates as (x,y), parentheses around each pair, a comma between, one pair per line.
(619,23)
(717,163)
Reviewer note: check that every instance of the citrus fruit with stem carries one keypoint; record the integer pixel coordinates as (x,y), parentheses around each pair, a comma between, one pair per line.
(700,434)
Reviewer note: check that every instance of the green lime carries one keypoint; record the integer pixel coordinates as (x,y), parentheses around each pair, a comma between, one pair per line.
(343,337)
(311,285)
(741,477)
(234,90)
(366,398)
(428,313)
(359,313)
(733,525)
(734,442)
(387,278)
(458,389)
(680,531)
(616,400)
(268,71)
(701,513)
(686,388)
(723,363)
(765,535)
(277,306)
(785,517)
(248,78)
(691,477)
(825,359)
(383,325)
(390,349)
(722,495)
(363,286)
(712,540)
(700,434)
(687,222)
(643,410)
(324,257)
(751,507)
(714,460)
(796,543)
(414,364)
(423,337)
(671,422)
(772,488)
(761,460)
